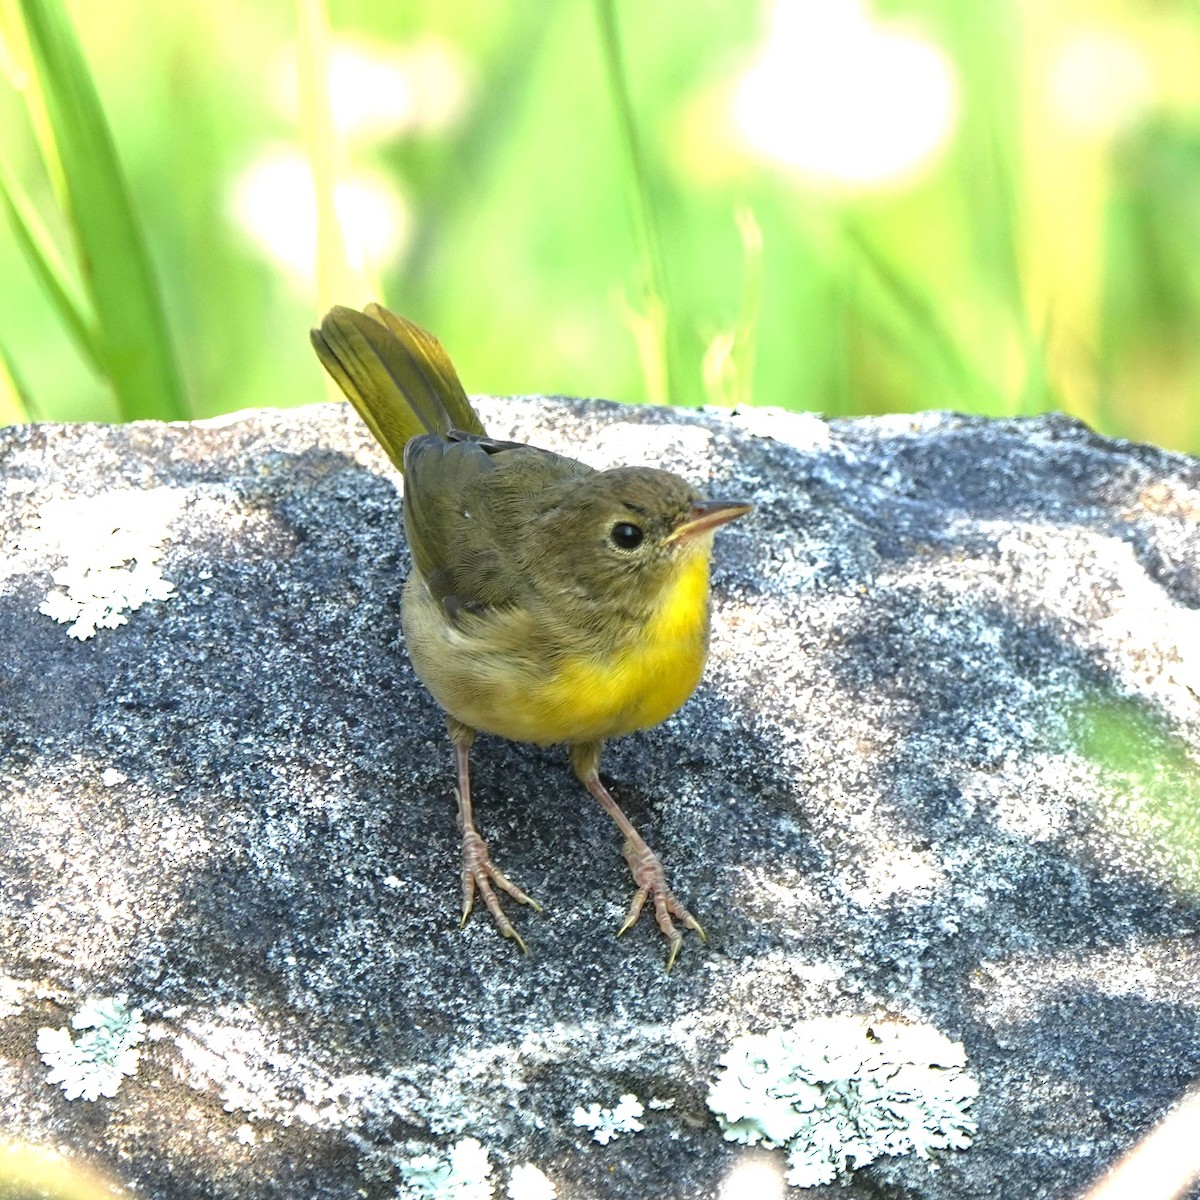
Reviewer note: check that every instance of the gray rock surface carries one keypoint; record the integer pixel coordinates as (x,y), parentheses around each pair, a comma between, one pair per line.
(942,768)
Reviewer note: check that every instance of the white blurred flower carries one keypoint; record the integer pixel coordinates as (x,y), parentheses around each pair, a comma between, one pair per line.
(1100,82)
(843,100)
(274,202)
(378,92)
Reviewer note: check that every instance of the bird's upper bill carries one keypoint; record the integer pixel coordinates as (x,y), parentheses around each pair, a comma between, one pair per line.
(705,516)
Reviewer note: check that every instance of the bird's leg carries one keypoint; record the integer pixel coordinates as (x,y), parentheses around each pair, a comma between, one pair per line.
(644,865)
(478,870)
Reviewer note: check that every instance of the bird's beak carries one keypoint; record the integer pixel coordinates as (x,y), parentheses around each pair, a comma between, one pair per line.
(705,516)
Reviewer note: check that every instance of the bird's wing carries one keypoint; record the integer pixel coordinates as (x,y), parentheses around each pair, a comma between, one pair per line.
(467,499)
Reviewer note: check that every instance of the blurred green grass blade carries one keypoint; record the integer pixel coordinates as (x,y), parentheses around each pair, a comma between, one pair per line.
(746,331)
(653,334)
(16,405)
(48,266)
(137,351)
(728,363)
(337,281)
(921,315)
(1038,394)
(18,65)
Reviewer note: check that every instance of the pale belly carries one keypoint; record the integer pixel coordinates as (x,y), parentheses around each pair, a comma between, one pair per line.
(506,684)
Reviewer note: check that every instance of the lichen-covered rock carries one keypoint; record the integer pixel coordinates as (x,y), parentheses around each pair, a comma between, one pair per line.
(943,769)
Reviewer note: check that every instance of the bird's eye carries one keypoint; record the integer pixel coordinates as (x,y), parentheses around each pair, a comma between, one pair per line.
(625,536)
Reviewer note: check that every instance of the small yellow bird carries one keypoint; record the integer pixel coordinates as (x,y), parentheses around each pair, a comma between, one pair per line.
(548,602)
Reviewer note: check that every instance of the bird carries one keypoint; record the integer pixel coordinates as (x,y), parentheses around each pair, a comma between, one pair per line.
(549,602)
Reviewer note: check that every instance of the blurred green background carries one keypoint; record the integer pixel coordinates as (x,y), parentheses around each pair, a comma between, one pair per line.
(817,204)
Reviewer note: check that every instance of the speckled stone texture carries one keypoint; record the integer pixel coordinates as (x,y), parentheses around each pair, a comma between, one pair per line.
(942,768)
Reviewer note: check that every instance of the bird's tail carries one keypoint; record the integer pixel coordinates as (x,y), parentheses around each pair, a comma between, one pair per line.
(396,375)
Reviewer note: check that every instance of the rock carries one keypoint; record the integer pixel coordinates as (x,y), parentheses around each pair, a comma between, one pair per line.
(942,770)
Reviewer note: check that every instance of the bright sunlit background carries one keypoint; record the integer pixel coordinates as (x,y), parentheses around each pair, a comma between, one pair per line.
(851,206)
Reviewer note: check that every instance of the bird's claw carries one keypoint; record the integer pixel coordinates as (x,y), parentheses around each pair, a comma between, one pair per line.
(479,872)
(651,879)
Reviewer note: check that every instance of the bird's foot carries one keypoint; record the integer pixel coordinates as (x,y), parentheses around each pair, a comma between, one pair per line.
(651,879)
(479,872)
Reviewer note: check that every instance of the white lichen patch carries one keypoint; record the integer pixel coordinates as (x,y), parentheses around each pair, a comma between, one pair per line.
(12,996)
(632,443)
(1154,970)
(899,874)
(258,1073)
(111,544)
(1034,808)
(462,1173)
(803,430)
(528,1182)
(608,1123)
(753,1179)
(840,1092)
(93,1064)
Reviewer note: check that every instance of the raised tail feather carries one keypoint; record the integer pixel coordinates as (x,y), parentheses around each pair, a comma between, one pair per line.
(396,375)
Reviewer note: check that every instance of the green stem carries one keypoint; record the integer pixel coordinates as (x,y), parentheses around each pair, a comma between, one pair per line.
(648,233)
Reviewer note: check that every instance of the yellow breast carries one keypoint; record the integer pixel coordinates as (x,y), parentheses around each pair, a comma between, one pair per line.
(493,677)
(588,698)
